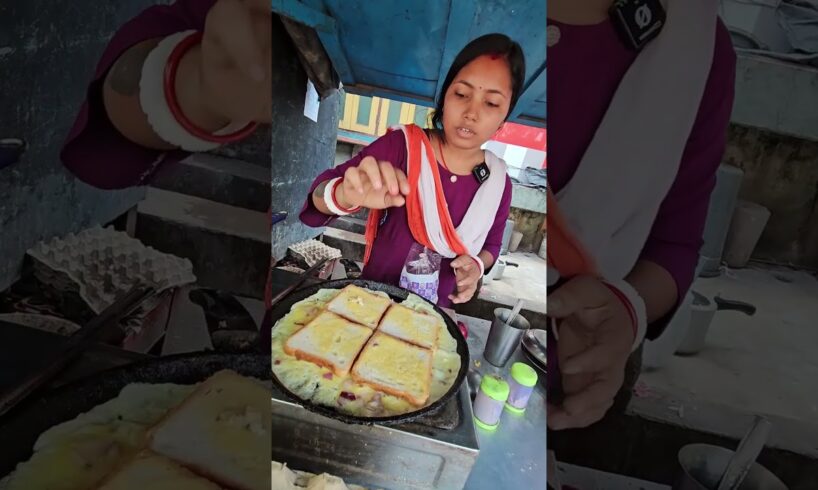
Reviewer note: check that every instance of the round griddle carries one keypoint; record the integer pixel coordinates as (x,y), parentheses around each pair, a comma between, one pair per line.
(20,428)
(397,294)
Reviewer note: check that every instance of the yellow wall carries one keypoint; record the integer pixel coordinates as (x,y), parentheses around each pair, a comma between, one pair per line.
(370,115)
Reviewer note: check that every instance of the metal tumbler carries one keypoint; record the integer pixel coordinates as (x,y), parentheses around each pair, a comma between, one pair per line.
(503,338)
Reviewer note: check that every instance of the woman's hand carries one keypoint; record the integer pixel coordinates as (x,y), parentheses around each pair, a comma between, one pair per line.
(467,274)
(235,68)
(374,185)
(595,339)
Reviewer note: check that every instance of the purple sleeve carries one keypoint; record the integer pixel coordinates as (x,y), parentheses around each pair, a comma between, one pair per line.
(95,152)
(676,236)
(390,147)
(494,240)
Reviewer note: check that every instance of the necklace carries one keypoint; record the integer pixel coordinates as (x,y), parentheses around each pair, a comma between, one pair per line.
(453,178)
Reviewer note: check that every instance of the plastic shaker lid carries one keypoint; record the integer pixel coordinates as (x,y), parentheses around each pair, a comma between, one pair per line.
(523,374)
(494,387)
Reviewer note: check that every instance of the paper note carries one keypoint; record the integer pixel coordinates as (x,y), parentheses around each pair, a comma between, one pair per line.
(311,102)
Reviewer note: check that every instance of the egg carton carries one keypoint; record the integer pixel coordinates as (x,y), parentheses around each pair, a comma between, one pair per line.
(313,251)
(102,264)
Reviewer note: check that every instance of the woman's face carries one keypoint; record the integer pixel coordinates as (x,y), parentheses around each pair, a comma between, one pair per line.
(477,102)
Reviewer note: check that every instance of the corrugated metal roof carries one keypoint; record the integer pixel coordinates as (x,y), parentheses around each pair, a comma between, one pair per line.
(402,49)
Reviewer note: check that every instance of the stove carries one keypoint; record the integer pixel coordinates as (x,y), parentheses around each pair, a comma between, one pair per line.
(436,451)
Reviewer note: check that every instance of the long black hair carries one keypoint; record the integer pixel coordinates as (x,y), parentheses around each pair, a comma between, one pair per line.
(488,44)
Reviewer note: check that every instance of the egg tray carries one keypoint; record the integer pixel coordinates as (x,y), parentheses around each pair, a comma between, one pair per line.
(309,252)
(312,251)
(100,265)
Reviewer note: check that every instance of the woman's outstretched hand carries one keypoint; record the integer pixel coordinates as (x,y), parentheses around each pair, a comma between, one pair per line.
(374,185)
(595,339)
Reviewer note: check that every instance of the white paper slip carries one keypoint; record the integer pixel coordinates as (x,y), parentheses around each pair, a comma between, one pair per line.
(311,102)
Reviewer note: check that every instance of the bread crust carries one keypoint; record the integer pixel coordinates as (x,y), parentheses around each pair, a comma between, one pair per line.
(332,305)
(148,454)
(414,400)
(193,467)
(316,359)
(419,343)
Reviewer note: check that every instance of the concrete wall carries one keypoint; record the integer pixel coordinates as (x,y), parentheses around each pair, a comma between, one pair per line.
(529,223)
(300,147)
(776,95)
(48,52)
(780,173)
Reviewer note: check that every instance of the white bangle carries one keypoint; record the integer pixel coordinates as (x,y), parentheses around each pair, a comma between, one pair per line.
(329,199)
(637,305)
(480,264)
(155,105)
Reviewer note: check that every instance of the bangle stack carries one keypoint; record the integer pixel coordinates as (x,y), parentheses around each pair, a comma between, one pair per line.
(332,202)
(157,96)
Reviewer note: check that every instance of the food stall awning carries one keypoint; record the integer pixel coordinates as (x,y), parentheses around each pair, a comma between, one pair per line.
(402,50)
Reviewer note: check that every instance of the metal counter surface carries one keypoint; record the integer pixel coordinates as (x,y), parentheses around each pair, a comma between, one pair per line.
(514,455)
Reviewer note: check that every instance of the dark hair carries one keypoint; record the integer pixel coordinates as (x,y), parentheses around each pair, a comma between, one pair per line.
(489,44)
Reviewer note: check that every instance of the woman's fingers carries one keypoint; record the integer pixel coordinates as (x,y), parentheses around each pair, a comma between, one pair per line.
(403,182)
(390,177)
(559,419)
(369,166)
(391,201)
(462,296)
(463,262)
(231,23)
(353,178)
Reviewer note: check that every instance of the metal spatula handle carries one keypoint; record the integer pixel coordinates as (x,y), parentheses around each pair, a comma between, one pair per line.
(75,345)
(748,450)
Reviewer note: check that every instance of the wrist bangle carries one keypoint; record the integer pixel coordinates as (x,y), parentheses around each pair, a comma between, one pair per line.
(157,98)
(231,133)
(332,202)
(636,308)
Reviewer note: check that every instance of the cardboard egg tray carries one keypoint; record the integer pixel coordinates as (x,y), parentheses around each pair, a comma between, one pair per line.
(310,252)
(102,264)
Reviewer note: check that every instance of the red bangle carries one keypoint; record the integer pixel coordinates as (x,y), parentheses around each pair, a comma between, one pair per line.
(335,201)
(173,103)
(628,306)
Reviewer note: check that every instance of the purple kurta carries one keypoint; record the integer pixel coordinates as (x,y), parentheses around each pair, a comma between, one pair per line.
(394,238)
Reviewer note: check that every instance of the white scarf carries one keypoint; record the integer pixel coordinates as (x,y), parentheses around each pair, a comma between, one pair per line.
(612,200)
(479,218)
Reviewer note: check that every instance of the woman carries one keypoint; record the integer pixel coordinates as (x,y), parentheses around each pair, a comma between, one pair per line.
(477,96)
(636,138)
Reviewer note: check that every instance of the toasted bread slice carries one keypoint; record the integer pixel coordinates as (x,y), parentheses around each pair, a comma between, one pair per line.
(359,305)
(412,326)
(395,367)
(330,341)
(221,431)
(154,472)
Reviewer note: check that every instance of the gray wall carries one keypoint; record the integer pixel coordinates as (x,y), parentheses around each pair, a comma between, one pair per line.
(48,52)
(774,140)
(780,173)
(300,148)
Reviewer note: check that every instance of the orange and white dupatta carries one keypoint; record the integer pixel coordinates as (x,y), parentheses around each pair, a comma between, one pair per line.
(428,214)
